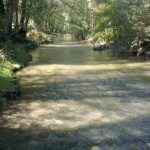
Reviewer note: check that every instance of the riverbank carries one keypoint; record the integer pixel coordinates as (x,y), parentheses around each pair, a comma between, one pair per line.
(139,49)
(13,57)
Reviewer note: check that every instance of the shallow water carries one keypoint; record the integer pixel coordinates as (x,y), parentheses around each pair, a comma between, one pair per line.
(77,99)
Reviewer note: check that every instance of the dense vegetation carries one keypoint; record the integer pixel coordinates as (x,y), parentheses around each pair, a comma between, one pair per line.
(18,35)
(120,21)
(123,24)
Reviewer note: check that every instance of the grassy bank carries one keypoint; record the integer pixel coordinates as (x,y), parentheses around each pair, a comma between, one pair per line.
(13,56)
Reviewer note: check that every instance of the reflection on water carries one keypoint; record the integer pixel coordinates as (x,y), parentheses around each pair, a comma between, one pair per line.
(82,98)
(73,53)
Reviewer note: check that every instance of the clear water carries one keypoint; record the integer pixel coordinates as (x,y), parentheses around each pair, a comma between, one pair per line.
(76,99)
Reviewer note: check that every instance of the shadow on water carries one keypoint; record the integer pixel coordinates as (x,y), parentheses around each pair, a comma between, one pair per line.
(123,135)
(77,99)
(125,88)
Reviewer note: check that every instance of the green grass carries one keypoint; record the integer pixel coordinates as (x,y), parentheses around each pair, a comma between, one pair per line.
(6,74)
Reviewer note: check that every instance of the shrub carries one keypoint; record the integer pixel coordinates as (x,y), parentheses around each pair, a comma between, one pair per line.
(31,45)
(5,76)
(39,37)
(21,56)
(107,35)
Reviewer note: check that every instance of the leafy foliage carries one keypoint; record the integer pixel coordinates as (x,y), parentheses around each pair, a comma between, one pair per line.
(128,19)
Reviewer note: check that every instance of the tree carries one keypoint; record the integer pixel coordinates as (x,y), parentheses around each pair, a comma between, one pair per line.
(9,16)
(2,13)
(23,28)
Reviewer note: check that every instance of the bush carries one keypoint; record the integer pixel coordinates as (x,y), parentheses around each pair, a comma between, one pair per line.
(21,56)
(39,37)
(16,53)
(31,45)
(105,36)
(6,74)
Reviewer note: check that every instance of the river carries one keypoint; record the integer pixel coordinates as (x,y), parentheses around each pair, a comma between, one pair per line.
(76,99)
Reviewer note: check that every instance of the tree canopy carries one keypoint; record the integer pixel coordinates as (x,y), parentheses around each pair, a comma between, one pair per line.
(105,20)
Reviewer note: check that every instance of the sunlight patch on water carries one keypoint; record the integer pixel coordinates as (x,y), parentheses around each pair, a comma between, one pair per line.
(71,114)
(63,45)
(113,98)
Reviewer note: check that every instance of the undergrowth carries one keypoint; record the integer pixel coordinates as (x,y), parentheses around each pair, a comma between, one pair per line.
(12,56)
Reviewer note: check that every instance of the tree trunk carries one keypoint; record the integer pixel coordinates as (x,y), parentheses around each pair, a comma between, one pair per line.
(2,10)
(23,29)
(26,22)
(16,16)
(2,14)
(9,17)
